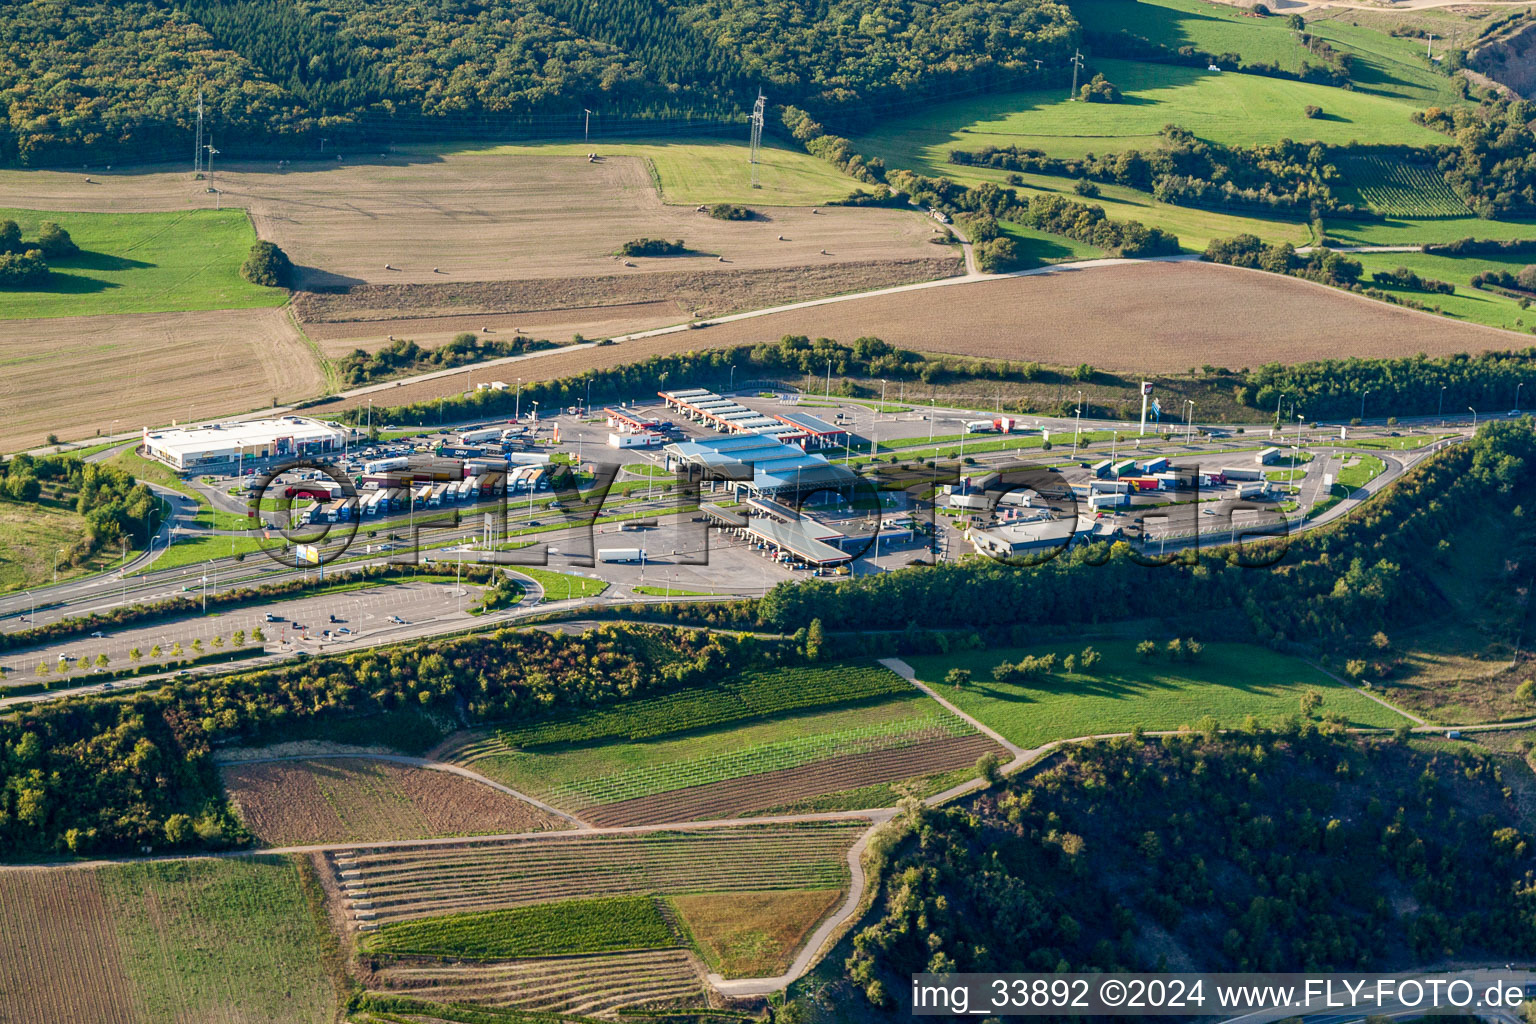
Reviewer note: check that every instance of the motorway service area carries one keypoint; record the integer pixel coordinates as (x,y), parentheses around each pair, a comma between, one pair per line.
(684,495)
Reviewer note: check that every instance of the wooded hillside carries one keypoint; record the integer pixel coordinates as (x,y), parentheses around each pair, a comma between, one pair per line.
(120,79)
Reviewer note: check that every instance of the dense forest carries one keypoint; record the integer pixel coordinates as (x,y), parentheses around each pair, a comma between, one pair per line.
(1294,850)
(120,79)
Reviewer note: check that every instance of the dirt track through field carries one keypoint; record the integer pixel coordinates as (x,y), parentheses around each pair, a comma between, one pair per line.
(774,789)
(1147,317)
(75,375)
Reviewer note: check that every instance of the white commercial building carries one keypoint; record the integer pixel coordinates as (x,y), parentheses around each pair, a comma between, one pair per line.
(193,448)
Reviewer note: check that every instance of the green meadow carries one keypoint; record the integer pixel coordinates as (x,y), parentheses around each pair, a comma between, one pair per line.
(1228,681)
(142,263)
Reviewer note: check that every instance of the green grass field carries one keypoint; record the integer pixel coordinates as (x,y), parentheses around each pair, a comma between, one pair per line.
(562,586)
(31,539)
(1383,64)
(1234,109)
(1205,26)
(200,937)
(547,929)
(711,170)
(1228,682)
(1041,247)
(143,263)
(1388,65)
(1474,305)
(1411,231)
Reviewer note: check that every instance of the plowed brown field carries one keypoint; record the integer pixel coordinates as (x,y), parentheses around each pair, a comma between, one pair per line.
(336,800)
(772,789)
(1140,317)
(73,376)
(59,956)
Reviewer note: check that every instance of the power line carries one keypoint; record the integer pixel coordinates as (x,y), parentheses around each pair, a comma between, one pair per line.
(197,150)
(757,133)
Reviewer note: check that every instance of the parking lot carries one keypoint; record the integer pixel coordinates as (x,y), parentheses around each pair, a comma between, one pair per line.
(367,614)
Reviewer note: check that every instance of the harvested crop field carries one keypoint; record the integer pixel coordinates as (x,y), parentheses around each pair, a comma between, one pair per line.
(482,216)
(145,370)
(338,800)
(771,789)
(1151,317)
(404,883)
(753,934)
(663,977)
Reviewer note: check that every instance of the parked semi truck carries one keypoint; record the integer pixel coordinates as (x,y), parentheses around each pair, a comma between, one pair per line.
(621,555)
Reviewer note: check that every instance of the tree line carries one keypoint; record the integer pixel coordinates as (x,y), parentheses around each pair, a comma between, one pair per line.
(1286,177)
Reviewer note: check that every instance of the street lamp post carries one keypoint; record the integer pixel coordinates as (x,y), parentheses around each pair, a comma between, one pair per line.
(1077,427)
(1440,409)
(1362,403)
(1518,386)
(1278,399)
(1474,418)
(517,401)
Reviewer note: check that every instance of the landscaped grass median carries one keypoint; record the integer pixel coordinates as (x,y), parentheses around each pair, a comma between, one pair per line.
(1228,681)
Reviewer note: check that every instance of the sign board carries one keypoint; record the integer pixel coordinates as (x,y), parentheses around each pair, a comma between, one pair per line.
(307,554)
(1146,387)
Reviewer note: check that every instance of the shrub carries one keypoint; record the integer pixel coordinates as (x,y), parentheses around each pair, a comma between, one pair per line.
(267,265)
(730,211)
(10,236)
(1099,90)
(653,247)
(1313,110)
(22,269)
(997,255)
(54,241)
(1084,187)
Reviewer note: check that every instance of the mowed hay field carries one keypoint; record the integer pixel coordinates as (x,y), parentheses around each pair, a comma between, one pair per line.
(73,376)
(1164,318)
(331,800)
(511,213)
(206,941)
